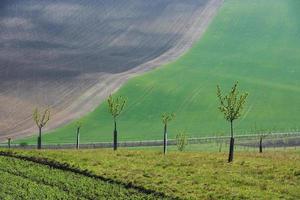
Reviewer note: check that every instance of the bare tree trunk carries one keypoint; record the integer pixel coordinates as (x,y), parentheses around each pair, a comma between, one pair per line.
(231,147)
(260,145)
(165,139)
(231,129)
(77,140)
(39,145)
(9,140)
(115,136)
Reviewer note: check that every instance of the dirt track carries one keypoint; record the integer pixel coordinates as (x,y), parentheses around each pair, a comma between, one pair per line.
(87,90)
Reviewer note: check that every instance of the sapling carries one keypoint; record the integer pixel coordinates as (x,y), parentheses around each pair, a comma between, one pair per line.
(231,106)
(78,126)
(115,107)
(181,140)
(166,118)
(262,135)
(41,119)
(8,142)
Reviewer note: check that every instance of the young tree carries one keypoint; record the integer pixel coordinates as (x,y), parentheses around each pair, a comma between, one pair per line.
(166,118)
(41,119)
(262,135)
(231,106)
(115,107)
(181,140)
(8,142)
(78,126)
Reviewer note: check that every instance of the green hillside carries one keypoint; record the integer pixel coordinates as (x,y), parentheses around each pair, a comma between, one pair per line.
(255,42)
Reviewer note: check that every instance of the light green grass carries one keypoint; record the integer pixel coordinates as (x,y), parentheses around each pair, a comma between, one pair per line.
(205,147)
(213,147)
(205,175)
(253,41)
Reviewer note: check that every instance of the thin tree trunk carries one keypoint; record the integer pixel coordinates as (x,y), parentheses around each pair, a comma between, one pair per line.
(231,150)
(39,146)
(231,128)
(260,145)
(165,139)
(9,140)
(231,146)
(78,135)
(115,136)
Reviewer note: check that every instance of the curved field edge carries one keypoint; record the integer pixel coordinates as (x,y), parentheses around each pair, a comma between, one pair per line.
(271,175)
(254,42)
(105,83)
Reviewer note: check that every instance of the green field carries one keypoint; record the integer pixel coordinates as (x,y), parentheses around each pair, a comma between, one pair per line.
(27,180)
(255,42)
(185,175)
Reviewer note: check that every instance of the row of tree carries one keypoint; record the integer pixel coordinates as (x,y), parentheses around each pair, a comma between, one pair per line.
(231,105)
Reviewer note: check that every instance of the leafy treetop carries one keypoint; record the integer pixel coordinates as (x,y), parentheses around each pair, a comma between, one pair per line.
(78,124)
(232,103)
(116,105)
(167,117)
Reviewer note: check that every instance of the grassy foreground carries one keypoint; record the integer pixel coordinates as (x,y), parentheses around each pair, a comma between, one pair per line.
(253,41)
(26,180)
(271,175)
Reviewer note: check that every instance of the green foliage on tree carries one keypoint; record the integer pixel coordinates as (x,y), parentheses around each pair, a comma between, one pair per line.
(181,140)
(41,119)
(167,117)
(115,108)
(231,105)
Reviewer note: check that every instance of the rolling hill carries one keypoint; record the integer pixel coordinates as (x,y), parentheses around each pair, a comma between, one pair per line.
(254,42)
(69,55)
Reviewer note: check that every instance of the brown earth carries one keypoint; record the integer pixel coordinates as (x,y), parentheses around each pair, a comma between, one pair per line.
(76,55)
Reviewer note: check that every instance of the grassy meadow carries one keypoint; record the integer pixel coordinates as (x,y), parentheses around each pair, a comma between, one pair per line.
(254,42)
(188,175)
(27,180)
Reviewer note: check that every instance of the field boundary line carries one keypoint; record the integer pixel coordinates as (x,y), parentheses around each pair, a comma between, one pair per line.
(153,143)
(87,173)
(39,182)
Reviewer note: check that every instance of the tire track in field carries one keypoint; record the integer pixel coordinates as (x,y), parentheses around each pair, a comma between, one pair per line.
(198,28)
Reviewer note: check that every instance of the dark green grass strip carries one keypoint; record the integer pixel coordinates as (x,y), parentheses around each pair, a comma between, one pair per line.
(42,176)
(70,185)
(67,167)
(17,187)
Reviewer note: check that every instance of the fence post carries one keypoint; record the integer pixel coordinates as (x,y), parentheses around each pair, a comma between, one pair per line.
(8,142)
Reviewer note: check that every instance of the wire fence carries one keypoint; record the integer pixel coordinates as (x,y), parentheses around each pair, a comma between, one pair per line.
(250,140)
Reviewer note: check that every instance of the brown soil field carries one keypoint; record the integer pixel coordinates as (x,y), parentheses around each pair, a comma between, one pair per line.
(70,55)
